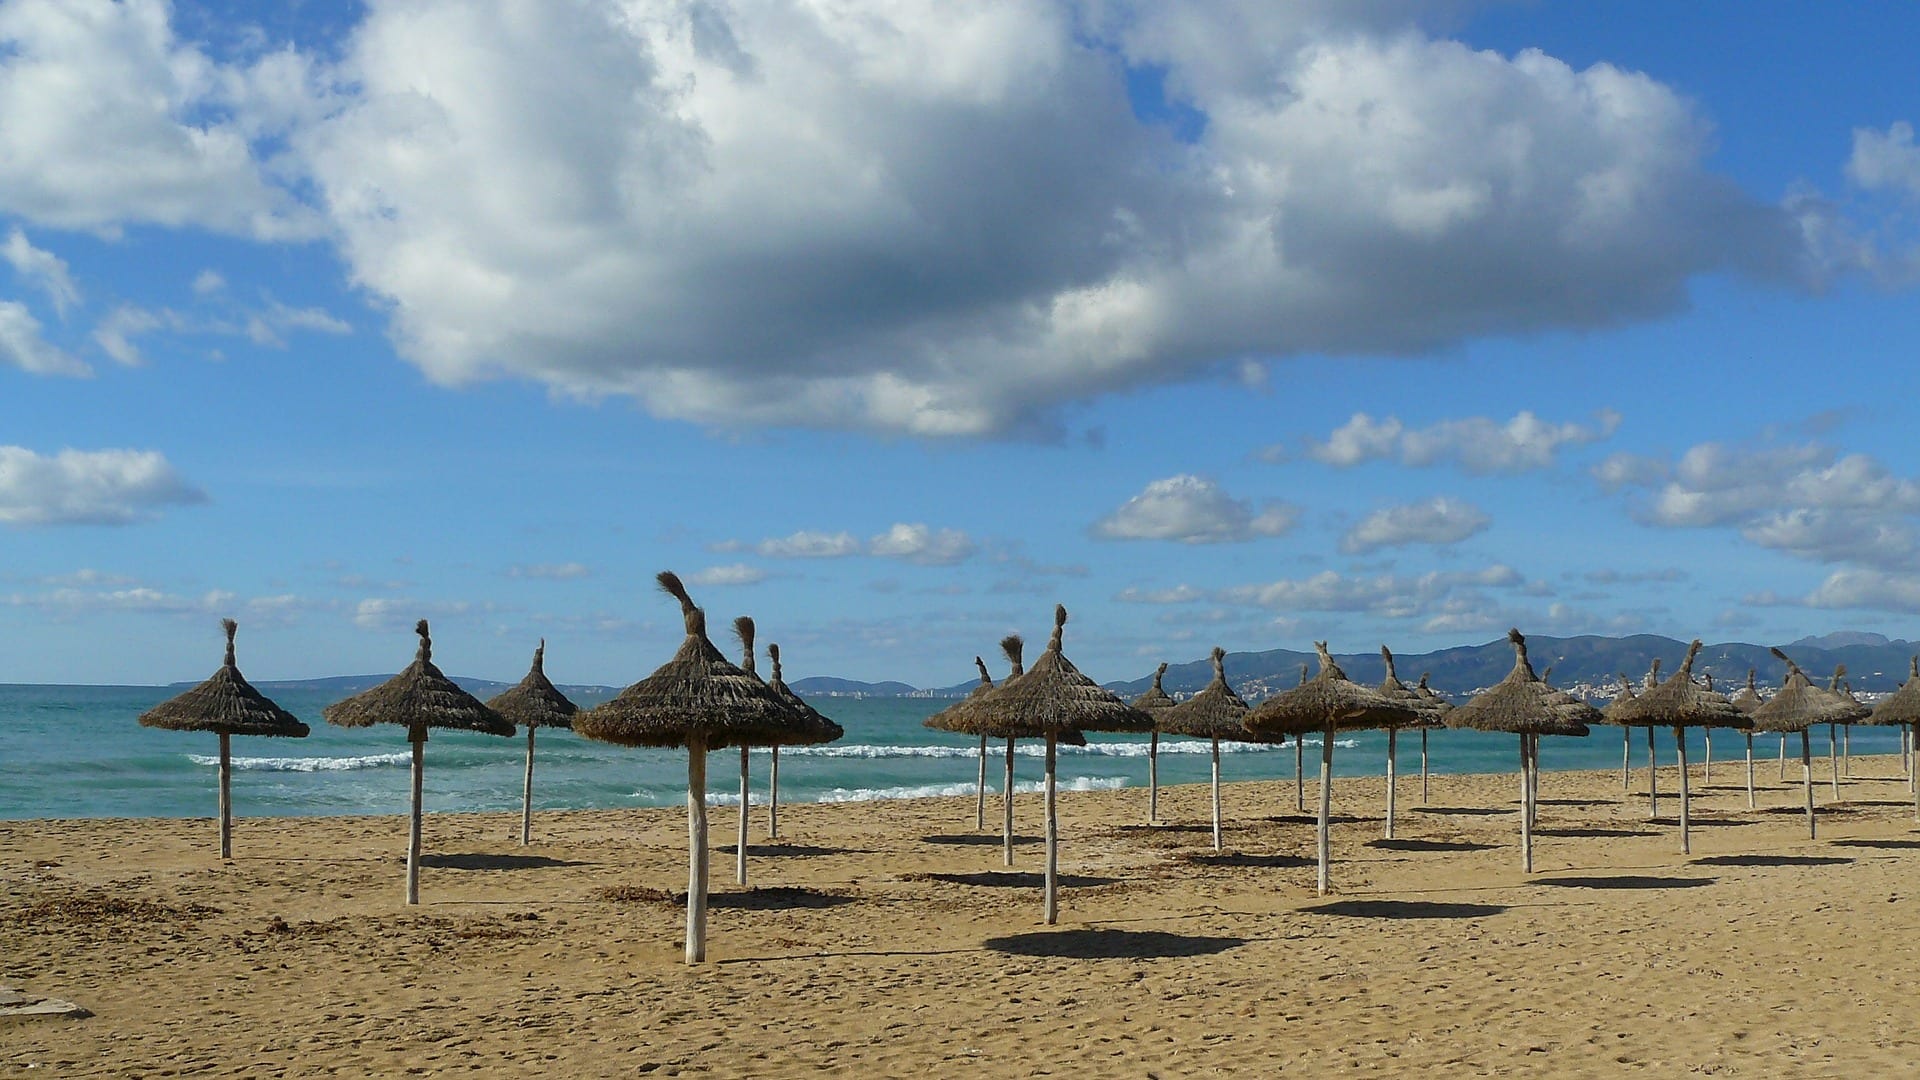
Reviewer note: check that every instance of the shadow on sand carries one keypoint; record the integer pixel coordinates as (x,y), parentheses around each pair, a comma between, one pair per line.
(976,839)
(1625,881)
(1403,909)
(1429,845)
(795,851)
(1466,811)
(1237,858)
(1096,944)
(1772,860)
(1891,845)
(483,861)
(1012,879)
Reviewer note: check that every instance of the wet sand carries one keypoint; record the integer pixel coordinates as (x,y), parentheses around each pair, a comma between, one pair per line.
(887,939)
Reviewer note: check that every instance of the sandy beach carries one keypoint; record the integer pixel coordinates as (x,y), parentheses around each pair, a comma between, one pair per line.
(887,939)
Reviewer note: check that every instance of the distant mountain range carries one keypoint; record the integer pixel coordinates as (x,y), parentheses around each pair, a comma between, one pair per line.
(1588,664)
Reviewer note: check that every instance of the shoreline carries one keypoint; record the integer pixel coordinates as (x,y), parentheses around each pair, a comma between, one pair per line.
(884,937)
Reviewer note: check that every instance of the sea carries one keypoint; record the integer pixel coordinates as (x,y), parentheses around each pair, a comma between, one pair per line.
(79,751)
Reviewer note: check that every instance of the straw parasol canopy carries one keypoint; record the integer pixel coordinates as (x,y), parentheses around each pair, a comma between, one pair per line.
(1325,703)
(695,699)
(1154,702)
(938,722)
(1526,705)
(1680,704)
(1052,699)
(533,702)
(814,728)
(1747,699)
(1426,715)
(227,705)
(1902,707)
(418,698)
(1214,713)
(1798,706)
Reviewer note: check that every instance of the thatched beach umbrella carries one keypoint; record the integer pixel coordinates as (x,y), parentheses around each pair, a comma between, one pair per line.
(939,722)
(1798,706)
(1154,702)
(1626,735)
(696,699)
(1439,707)
(1426,712)
(227,705)
(1300,756)
(1902,707)
(532,703)
(1526,705)
(816,728)
(418,698)
(1214,713)
(1679,704)
(1051,700)
(1326,703)
(795,727)
(1747,700)
(1847,709)
(983,713)
(1627,725)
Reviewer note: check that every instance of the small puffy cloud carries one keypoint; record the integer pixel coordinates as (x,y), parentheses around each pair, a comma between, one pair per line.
(88,487)
(382,613)
(1666,575)
(1439,520)
(919,544)
(811,545)
(42,269)
(1194,510)
(1179,594)
(909,542)
(1616,471)
(1394,596)
(22,346)
(732,574)
(1475,444)
(566,571)
(1869,590)
(1886,161)
(85,595)
(208,282)
(115,334)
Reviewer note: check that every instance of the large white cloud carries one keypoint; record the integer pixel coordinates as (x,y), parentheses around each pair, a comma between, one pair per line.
(106,119)
(918,216)
(88,487)
(1194,510)
(946,219)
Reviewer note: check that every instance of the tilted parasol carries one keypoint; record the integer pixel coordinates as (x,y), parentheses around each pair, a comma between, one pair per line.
(227,705)
(1427,715)
(1053,699)
(418,698)
(1679,704)
(696,699)
(938,722)
(1798,706)
(533,702)
(1154,702)
(1902,707)
(816,728)
(1325,703)
(1526,705)
(1214,713)
(1441,707)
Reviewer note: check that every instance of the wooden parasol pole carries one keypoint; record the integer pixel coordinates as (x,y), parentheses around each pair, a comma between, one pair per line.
(1680,741)
(1006,808)
(1391,784)
(1052,905)
(1153,778)
(1326,805)
(413,825)
(1216,793)
(697,848)
(980,791)
(740,848)
(526,794)
(226,795)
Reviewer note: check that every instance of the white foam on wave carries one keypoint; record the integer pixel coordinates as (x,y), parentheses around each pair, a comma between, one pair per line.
(933,791)
(309,764)
(1036,749)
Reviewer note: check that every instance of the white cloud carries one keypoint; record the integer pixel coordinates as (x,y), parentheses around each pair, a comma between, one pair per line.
(1853,589)
(1629,470)
(733,574)
(920,544)
(81,76)
(208,282)
(22,346)
(1179,594)
(43,269)
(266,326)
(566,571)
(811,545)
(1194,510)
(1392,596)
(88,487)
(115,334)
(1887,161)
(910,542)
(708,209)
(82,597)
(1439,520)
(1475,444)
(382,613)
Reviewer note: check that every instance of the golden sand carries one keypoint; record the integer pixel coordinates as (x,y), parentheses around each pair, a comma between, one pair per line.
(886,939)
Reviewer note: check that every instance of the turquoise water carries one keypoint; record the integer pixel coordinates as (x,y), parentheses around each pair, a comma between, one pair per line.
(77,751)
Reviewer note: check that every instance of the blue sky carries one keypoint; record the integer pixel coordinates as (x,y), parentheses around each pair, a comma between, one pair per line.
(1237,323)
